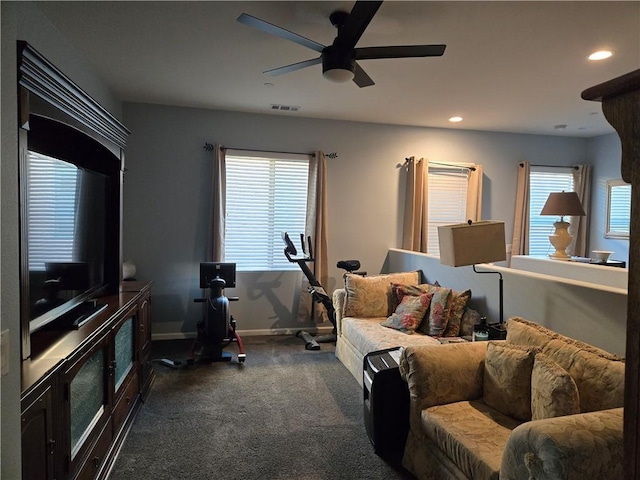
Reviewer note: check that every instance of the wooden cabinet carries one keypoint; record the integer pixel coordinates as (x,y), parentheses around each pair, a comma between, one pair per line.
(145,371)
(81,395)
(38,434)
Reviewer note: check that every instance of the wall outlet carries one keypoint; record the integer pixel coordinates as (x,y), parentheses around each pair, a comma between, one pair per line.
(4,352)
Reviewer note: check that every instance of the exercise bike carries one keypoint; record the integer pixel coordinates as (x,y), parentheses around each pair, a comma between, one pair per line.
(218,327)
(316,290)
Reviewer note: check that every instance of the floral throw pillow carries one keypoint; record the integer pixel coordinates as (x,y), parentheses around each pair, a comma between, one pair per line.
(409,314)
(435,323)
(457,305)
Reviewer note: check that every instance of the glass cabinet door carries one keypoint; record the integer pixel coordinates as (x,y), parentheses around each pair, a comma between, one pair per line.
(87,398)
(124,345)
(86,385)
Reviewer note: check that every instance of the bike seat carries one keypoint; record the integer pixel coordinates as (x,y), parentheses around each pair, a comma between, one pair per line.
(349,265)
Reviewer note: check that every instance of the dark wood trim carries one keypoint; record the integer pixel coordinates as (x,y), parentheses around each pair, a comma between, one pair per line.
(620,99)
(37,75)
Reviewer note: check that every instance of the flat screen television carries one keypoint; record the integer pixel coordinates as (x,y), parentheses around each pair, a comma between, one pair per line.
(69,224)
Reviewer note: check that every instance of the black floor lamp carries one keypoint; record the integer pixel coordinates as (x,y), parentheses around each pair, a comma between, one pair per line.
(472,243)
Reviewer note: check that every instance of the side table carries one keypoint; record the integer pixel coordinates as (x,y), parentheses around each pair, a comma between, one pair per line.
(386,404)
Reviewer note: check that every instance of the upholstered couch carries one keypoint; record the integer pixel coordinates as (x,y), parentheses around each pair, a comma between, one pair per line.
(537,405)
(366,303)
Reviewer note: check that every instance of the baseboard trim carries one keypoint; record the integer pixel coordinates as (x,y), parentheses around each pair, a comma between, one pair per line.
(243,333)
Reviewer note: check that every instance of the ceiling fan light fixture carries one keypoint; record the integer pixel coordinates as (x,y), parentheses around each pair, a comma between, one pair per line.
(338,66)
(338,75)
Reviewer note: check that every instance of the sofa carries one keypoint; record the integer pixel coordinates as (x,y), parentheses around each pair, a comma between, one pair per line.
(537,405)
(366,304)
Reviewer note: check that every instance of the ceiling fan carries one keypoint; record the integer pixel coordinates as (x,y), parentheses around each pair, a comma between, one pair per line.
(339,59)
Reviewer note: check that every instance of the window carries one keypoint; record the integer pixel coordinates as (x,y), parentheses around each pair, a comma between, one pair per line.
(448,187)
(618,209)
(51,200)
(266,195)
(543,181)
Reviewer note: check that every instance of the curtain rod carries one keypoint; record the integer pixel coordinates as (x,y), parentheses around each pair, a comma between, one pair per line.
(551,166)
(457,165)
(209,147)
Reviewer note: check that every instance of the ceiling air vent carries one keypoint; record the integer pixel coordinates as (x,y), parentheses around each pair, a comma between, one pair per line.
(285,108)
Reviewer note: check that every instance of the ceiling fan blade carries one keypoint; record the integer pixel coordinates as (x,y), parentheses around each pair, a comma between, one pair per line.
(293,67)
(279,32)
(361,78)
(400,51)
(356,23)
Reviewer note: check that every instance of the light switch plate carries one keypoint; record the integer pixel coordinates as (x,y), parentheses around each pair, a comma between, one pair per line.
(4,352)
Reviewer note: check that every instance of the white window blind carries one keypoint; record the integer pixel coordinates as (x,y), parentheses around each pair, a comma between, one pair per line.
(619,211)
(51,203)
(447,200)
(266,195)
(542,182)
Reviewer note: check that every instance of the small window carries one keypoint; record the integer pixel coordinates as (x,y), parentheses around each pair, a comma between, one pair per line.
(266,195)
(542,182)
(618,209)
(447,200)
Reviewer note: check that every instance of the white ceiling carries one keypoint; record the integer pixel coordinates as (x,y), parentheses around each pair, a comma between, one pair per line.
(509,66)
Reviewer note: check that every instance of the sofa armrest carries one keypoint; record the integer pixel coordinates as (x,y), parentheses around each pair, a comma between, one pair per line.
(585,446)
(441,374)
(338,298)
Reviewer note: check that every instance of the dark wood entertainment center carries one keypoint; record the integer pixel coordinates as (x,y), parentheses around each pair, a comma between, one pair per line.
(46,385)
(81,385)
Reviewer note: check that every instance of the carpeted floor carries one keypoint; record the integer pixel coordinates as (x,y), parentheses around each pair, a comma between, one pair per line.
(287,413)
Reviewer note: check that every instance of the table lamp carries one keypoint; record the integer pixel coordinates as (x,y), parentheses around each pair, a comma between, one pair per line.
(472,243)
(561,204)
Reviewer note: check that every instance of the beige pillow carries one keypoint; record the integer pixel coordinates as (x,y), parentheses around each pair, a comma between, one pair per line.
(372,296)
(553,391)
(507,378)
(524,332)
(599,375)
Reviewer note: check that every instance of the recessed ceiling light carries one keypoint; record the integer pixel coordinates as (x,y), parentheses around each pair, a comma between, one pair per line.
(455,119)
(600,55)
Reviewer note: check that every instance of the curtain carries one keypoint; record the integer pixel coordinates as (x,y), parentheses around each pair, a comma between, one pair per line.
(316,228)
(520,240)
(474,194)
(414,232)
(215,250)
(580,225)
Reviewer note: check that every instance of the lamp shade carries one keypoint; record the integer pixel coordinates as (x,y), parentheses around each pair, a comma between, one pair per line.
(563,203)
(472,243)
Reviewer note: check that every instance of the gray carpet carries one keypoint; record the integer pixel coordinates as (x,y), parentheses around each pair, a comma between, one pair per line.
(287,413)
